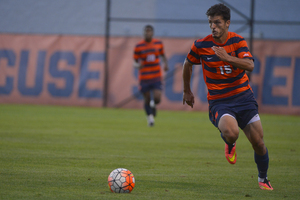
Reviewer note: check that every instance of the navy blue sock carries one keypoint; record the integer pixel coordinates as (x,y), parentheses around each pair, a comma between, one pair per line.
(148,109)
(262,163)
(230,146)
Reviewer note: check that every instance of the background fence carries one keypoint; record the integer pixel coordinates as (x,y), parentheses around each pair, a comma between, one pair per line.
(87,59)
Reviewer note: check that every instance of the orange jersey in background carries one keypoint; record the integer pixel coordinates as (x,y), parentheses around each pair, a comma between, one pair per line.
(148,54)
(222,79)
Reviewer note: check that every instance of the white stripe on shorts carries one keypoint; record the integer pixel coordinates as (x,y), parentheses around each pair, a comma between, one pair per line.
(227,114)
(254,119)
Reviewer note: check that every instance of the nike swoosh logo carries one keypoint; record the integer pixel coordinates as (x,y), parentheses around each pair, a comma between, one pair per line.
(232,158)
(209,58)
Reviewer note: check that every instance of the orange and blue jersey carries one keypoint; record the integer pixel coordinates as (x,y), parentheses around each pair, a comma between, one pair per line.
(148,53)
(222,79)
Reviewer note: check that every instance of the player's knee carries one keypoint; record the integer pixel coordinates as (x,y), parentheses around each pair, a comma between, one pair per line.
(230,133)
(258,145)
(157,100)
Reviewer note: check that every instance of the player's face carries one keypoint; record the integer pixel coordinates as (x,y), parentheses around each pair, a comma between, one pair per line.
(148,34)
(218,26)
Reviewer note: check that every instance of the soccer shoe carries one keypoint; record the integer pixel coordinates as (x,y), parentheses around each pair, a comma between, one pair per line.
(150,120)
(231,157)
(265,185)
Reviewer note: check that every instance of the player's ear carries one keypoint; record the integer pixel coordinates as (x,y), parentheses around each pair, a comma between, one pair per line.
(227,23)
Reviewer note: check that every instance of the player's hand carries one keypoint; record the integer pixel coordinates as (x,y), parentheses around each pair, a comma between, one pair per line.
(188,98)
(166,67)
(220,52)
(137,64)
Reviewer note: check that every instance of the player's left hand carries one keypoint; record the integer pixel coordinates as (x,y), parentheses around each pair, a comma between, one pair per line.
(220,52)
(188,98)
(166,67)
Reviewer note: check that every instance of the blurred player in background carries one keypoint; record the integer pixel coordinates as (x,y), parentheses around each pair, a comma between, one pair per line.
(225,57)
(147,56)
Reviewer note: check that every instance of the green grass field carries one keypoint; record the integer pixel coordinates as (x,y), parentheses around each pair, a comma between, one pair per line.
(49,152)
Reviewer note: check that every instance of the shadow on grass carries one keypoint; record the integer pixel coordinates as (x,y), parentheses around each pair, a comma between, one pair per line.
(179,184)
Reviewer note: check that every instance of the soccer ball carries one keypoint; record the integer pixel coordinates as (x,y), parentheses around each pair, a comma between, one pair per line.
(121,181)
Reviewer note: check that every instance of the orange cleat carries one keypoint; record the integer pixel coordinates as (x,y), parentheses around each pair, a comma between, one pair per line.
(265,185)
(231,157)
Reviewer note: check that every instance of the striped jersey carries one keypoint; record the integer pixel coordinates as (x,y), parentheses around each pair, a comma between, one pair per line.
(222,79)
(148,53)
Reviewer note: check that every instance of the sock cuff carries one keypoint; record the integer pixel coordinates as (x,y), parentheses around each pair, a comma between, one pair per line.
(229,144)
(262,179)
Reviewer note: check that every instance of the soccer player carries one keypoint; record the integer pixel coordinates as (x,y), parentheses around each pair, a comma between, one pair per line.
(147,56)
(225,57)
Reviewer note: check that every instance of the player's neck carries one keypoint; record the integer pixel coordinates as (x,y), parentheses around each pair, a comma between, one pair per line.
(222,39)
(148,40)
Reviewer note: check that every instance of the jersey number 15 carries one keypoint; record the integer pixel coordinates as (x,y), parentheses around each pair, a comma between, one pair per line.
(225,69)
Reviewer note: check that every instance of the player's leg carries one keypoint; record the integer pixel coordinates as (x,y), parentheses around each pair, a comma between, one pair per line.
(254,133)
(157,88)
(155,101)
(230,133)
(156,96)
(145,89)
(147,98)
(229,128)
(148,109)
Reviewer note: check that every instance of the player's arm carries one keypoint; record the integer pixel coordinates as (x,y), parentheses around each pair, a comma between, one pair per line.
(245,64)
(187,71)
(165,61)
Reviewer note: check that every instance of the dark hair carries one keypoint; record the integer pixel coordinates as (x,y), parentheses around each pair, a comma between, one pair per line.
(219,10)
(149,26)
